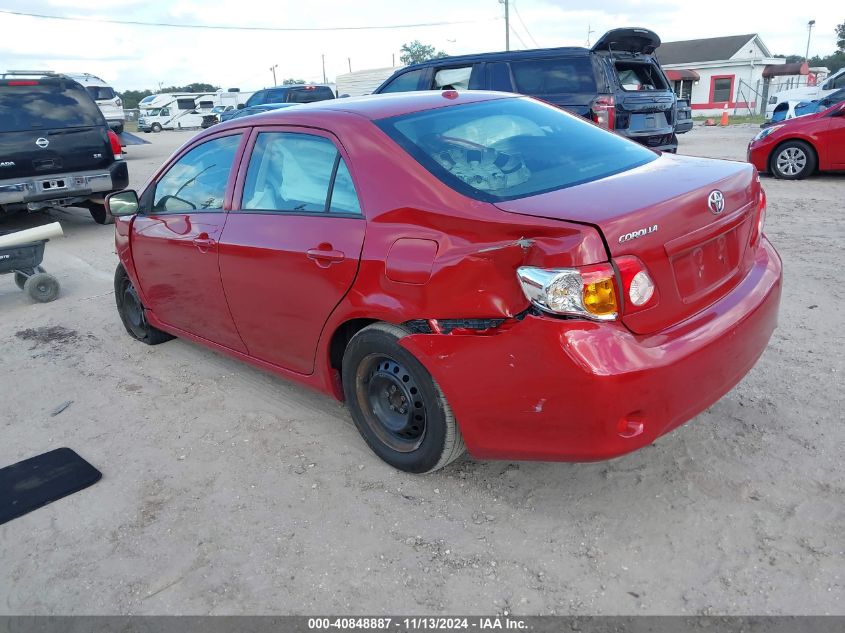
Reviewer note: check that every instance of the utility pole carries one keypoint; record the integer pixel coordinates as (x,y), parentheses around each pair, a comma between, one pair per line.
(273,70)
(349,61)
(507,25)
(810,26)
(324,68)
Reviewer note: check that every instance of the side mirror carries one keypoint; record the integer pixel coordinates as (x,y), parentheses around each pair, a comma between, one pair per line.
(122,203)
(241,106)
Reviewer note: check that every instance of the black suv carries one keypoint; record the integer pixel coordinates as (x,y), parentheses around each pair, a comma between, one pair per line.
(617,83)
(296,93)
(56,149)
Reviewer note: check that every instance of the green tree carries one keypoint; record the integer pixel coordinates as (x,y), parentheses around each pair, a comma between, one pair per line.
(840,37)
(416,51)
(132,97)
(292,82)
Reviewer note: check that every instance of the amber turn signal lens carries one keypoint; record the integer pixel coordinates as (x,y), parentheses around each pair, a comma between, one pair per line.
(600,297)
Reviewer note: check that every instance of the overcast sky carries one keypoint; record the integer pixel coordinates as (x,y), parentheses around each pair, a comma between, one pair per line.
(141,56)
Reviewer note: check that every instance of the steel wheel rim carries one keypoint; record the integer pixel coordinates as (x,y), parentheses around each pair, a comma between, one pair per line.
(391,402)
(791,161)
(133,310)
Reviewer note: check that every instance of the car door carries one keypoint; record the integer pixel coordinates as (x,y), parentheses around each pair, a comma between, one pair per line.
(836,138)
(290,249)
(175,241)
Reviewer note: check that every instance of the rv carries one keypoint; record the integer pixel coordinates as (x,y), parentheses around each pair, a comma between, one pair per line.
(174,111)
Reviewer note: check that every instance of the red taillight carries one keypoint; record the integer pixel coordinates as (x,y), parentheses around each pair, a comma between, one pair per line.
(23,83)
(116,149)
(603,112)
(757,230)
(639,291)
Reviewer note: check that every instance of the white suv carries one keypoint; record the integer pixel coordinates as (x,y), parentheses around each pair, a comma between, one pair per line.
(105,97)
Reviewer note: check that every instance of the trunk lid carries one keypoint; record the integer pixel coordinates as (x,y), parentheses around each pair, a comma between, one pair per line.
(630,40)
(660,213)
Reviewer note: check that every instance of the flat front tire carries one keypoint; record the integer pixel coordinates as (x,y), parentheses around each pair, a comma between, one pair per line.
(132,311)
(397,406)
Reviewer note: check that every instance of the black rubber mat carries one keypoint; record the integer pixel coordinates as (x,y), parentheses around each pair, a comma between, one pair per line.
(37,481)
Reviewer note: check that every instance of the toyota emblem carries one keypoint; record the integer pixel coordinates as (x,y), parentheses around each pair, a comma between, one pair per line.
(42,142)
(716,202)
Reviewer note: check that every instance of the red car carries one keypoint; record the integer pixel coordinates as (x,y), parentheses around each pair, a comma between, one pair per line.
(474,270)
(797,147)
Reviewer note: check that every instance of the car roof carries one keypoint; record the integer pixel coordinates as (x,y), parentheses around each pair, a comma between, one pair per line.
(383,106)
(532,53)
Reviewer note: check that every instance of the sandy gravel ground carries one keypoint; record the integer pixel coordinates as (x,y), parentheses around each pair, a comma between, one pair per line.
(230,491)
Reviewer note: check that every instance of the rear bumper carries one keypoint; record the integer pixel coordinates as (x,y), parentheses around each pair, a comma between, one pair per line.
(562,390)
(64,188)
(683,126)
(665,142)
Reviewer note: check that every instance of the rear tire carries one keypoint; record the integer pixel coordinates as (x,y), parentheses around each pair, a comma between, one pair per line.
(118,129)
(793,160)
(132,311)
(42,287)
(397,406)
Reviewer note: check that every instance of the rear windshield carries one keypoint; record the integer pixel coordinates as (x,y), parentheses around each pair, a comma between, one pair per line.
(548,77)
(511,148)
(46,106)
(100,93)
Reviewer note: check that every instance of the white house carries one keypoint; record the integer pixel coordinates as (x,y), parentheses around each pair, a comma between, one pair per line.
(734,71)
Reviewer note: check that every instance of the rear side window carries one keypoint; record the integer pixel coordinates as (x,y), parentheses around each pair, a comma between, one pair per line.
(304,95)
(290,171)
(100,93)
(512,148)
(406,82)
(549,77)
(48,105)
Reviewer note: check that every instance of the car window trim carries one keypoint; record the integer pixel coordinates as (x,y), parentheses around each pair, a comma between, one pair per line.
(246,156)
(148,197)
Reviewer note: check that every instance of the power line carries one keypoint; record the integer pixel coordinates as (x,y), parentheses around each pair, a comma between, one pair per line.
(513,30)
(527,32)
(222,27)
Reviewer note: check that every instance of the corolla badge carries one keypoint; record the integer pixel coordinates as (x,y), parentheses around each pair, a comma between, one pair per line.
(638,233)
(716,202)
(42,142)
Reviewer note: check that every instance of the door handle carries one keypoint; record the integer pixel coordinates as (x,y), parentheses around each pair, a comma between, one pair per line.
(325,257)
(203,242)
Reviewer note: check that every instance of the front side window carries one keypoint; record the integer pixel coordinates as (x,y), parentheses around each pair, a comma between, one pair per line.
(289,171)
(511,148)
(406,82)
(452,78)
(197,181)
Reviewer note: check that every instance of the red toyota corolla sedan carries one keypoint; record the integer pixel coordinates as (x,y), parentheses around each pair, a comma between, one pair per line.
(466,270)
(796,148)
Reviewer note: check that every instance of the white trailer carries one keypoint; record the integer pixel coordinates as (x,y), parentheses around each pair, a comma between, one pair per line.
(174,111)
(361,82)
